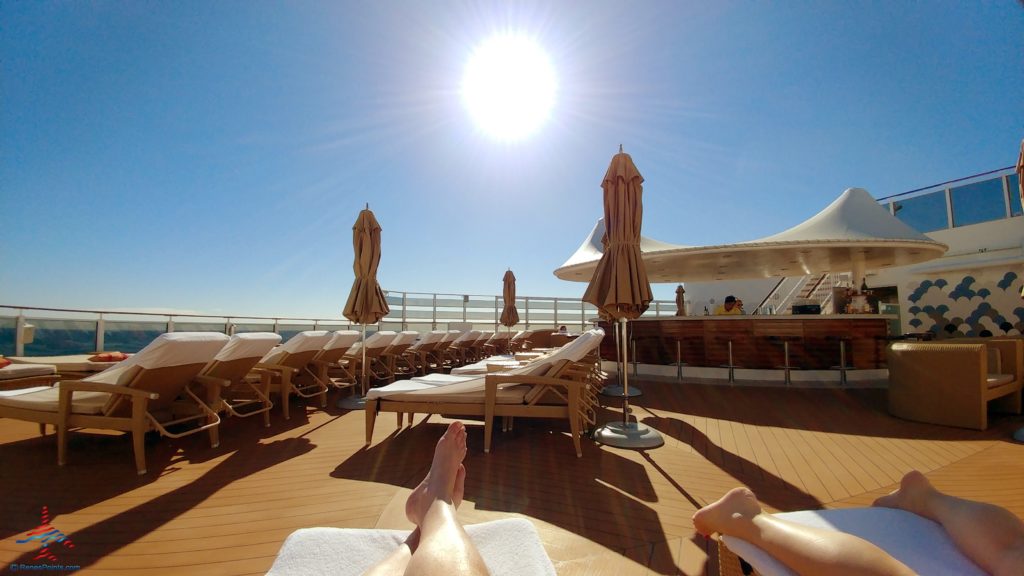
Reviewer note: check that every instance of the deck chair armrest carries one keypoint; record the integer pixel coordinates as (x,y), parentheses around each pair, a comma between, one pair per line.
(82,386)
(212,381)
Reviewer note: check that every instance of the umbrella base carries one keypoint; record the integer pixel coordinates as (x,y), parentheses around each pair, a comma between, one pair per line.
(352,402)
(632,435)
(616,391)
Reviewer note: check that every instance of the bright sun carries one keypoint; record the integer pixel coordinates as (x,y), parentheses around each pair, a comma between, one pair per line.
(509,87)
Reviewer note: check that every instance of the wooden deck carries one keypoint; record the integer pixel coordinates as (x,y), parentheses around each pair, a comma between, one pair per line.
(227,510)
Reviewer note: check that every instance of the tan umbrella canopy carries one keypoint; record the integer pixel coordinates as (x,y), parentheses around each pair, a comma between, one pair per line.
(509,314)
(680,303)
(366,302)
(619,285)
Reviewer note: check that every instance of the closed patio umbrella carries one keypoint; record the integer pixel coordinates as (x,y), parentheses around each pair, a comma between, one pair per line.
(509,314)
(619,286)
(366,302)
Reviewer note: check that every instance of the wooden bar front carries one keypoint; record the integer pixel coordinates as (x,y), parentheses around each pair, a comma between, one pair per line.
(758,341)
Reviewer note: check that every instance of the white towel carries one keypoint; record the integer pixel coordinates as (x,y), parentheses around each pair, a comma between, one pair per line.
(918,542)
(509,547)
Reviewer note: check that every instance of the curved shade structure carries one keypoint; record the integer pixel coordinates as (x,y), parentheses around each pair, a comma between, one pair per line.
(852,233)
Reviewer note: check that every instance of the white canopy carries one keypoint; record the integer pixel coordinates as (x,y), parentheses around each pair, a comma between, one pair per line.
(853,233)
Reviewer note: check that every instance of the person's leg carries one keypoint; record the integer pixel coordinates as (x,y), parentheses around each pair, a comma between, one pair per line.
(444,547)
(989,535)
(439,545)
(803,549)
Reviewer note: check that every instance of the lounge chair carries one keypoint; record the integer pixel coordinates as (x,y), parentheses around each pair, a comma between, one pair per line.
(375,345)
(329,365)
(17,376)
(509,547)
(69,366)
(460,350)
(419,353)
(524,391)
(230,366)
(439,357)
(394,355)
(134,396)
(287,368)
(916,541)
(521,341)
(953,383)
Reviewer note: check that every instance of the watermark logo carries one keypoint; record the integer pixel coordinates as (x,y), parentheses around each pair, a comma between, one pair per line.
(47,537)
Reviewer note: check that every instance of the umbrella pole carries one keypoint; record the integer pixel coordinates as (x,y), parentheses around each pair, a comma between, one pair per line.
(357,401)
(626,434)
(363,348)
(625,376)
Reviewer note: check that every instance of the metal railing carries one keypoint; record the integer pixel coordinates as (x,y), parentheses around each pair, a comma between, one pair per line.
(46,331)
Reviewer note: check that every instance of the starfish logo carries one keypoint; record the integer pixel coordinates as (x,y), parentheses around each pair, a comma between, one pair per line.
(46,536)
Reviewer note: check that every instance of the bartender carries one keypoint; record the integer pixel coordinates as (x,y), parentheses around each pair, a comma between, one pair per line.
(731,307)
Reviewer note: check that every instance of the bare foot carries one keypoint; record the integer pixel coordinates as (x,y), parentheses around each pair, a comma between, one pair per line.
(717,516)
(443,480)
(912,495)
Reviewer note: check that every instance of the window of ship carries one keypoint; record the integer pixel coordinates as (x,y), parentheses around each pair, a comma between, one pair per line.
(1013,185)
(924,213)
(978,202)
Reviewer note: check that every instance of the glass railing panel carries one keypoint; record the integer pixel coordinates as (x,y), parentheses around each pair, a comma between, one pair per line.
(449,302)
(482,303)
(251,327)
(55,337)
(183,326)
(7,336)
(419,301)
(1013,184)
(419,314)
(287,331)
(393,299)
(978,202)
(925,213)
(541,304)
(130,336)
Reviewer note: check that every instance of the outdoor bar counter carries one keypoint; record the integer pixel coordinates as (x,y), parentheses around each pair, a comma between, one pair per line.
(758,341)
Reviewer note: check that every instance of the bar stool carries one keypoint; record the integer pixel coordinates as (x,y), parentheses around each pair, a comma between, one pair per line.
(679,354)
(785,339)
(730,365)
(843,367)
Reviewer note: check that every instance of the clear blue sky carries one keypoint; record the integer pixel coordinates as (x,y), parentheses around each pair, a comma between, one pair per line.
(213,156)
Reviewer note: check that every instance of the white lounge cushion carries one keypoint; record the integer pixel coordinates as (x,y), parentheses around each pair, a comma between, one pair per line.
(918,542)
(166,350)
(995,380)
(66,363)
(509,547)
(47,399)
(12,371)
(432,384)
(247,345)
(301,342)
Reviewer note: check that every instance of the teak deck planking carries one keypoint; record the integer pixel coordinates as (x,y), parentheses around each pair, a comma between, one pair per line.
(227,510)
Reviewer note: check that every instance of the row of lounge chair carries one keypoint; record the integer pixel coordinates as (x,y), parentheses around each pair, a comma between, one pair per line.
(181,383)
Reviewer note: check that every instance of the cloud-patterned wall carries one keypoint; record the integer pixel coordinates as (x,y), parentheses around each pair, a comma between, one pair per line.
(987,302)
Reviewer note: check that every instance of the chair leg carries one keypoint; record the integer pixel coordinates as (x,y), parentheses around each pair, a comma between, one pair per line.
(286,392)
(62,443)
(371,417)
(265,385)
(213,403)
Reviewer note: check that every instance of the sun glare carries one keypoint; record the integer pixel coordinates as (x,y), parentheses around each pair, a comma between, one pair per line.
(509,87)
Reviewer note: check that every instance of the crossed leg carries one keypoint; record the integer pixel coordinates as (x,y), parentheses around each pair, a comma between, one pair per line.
(989,535)
(439,544)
